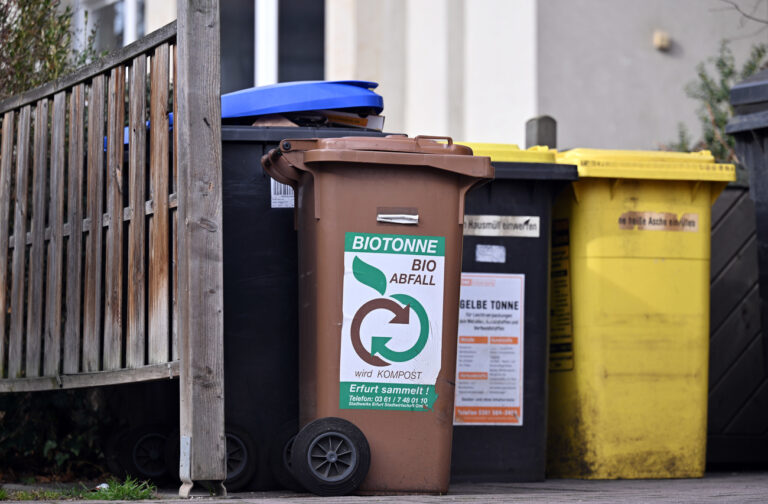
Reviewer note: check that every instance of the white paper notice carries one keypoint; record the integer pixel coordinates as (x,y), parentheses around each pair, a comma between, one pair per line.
(490,253)
(489,363)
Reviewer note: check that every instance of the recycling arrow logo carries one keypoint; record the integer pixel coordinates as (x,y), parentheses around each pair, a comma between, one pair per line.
(400,305)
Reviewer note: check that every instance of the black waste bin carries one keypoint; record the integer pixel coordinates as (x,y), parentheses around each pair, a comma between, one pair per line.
(738,411)
(260,293)
(500,412)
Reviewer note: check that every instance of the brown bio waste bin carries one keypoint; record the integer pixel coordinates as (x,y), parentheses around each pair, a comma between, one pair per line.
(380,233)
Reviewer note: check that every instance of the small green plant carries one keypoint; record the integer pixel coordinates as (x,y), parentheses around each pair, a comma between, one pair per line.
(35,495)
(130,489)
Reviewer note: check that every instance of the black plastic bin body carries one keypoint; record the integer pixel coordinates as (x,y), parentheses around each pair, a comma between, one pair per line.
(260,318)
(499,453)
(261,291)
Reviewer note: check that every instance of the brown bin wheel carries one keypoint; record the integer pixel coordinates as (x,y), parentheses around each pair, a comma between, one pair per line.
(280,457)
(330,457)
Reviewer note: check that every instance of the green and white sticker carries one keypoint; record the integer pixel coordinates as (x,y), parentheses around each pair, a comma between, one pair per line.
(391,337)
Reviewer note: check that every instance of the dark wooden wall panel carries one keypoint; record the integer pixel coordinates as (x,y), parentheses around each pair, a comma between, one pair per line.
(738,372)
(733,283)
(732,229)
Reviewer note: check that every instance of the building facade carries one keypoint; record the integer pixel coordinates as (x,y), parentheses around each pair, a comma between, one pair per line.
(611,72)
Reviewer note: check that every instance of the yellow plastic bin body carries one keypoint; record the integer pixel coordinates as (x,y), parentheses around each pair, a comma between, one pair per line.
(630,315)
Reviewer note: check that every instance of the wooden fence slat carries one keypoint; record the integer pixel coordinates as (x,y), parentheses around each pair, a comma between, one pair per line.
(19,252)
(155,372)
(113,325)
(136,317)
(37,252)
(159,257)
(175,224)
(75,221)
(93,256)
(6,158)
(52,338)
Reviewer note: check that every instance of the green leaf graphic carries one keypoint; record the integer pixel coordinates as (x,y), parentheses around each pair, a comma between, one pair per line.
(369,275)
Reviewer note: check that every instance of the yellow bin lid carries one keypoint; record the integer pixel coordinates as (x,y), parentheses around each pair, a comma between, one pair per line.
(659,165)
(511,153)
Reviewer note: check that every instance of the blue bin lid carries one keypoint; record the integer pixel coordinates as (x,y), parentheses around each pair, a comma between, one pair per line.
(301,96)
(294,97)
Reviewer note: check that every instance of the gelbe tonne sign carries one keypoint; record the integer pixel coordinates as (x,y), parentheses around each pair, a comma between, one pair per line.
(391,335)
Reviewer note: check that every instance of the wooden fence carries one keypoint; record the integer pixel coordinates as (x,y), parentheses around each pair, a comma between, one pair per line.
(110,238)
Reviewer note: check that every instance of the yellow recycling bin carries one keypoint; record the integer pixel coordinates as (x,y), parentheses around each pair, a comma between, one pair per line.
(629,311)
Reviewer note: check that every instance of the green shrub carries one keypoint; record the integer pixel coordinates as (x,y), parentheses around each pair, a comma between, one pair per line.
(57,434)
(711,90)
(37,41)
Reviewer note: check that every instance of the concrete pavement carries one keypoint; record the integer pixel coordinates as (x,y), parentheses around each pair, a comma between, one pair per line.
(716,487)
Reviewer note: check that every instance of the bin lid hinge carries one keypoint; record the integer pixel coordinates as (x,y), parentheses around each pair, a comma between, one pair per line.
(576,188)
(695,189)
(615,185)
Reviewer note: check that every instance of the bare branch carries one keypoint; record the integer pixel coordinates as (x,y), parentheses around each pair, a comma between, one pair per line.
(747,15)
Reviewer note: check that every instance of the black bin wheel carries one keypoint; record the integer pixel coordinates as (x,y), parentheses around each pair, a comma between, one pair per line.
(280,451)
(242,457)
(115,452)
(330,457)
(144,452)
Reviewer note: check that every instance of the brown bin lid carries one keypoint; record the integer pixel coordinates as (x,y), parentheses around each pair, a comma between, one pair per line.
(392,150)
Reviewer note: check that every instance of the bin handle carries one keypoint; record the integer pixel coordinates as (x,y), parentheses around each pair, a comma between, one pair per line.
(432,137)
(277,167)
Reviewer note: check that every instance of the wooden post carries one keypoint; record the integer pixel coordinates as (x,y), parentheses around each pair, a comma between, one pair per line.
(201,323)
(541,130)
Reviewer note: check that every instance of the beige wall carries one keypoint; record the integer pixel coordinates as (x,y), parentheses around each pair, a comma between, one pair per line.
(601,77)
(463,68)
(158,13)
